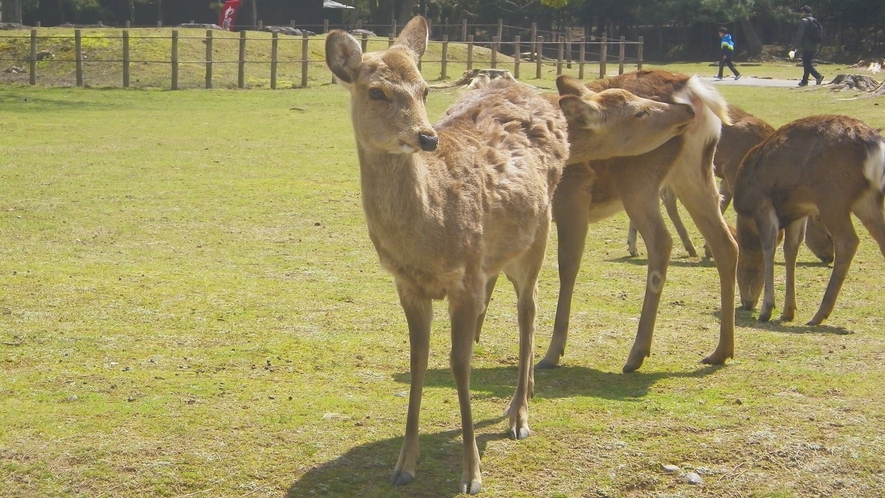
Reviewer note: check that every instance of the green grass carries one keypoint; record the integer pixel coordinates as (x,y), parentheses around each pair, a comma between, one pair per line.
(190,306)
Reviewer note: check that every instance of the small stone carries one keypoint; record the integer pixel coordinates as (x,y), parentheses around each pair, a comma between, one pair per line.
(335,417)
(693,478)
(671,469)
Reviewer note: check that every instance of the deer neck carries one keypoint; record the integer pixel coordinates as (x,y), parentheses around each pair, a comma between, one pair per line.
(394,187)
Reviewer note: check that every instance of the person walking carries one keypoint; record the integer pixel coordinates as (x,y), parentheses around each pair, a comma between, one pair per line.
(809,47)
(727,44)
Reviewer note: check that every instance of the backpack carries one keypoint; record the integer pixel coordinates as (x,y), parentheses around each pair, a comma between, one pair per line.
(813,30)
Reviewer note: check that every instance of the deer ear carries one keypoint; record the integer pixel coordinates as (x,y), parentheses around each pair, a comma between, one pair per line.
(570,86)
(344,56)
(415,36)
(579,112)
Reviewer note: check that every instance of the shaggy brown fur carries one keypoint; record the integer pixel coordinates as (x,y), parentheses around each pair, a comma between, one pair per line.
(449,208)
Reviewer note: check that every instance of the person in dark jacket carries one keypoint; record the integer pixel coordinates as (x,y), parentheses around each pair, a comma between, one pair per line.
(808,47)
(727,44)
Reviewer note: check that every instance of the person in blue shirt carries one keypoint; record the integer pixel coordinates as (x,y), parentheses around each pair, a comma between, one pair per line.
(727,44)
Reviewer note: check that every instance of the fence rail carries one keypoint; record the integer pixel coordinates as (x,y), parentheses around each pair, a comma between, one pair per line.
(294,52)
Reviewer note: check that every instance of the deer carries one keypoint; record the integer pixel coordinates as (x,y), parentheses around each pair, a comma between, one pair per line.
(745,132)
(827,165)
(592,190)
(450,206)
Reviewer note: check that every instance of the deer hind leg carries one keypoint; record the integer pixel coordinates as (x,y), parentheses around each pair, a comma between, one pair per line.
(465,306)
(419,312)
(845,242)
(631,240)
(523,272)
(724,202)
(669,198)
(793,237)
(869,211)
(571,211)
(696,189)
(490,287)
(645,212)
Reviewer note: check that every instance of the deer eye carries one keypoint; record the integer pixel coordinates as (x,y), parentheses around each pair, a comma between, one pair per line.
(641,114)
(377,94)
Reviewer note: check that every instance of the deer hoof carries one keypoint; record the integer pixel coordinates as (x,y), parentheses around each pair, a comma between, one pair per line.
(519,433)
(400,478)
(471,488)
(546,364)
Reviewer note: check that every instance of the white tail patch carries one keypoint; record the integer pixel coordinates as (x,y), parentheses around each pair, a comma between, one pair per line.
(710,108)
(874,166)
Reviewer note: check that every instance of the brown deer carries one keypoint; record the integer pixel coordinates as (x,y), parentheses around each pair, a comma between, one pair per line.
(745,132)
(830,166)
(450,207)
(592,191)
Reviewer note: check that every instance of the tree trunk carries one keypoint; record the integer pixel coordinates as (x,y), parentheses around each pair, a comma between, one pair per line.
(254,14)
(405,12)
(754,45)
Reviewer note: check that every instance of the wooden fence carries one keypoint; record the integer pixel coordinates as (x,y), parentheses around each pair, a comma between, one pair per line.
(530,55)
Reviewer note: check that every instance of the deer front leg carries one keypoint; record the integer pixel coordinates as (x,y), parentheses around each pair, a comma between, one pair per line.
(793,237)
(768,228)
(645,213)
(419,312)
(464,310)
(571,211)
(845,242)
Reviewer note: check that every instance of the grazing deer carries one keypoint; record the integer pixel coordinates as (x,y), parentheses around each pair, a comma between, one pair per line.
(745,132)
(827,165)
(592,191)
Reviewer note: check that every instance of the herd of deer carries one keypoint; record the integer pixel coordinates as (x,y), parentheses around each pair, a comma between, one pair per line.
(450,206)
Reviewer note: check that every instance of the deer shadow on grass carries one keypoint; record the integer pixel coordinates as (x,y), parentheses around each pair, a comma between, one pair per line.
(364,470)
(747,318)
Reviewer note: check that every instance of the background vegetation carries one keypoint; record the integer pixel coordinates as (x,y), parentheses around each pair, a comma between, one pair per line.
(677,29)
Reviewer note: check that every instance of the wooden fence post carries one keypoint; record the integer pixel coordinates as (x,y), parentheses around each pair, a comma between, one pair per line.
(500,29)
(241,70)
(125,58)
(78,56)
(274,48)
(175,59)
(364,42)
(305,58)
(560,46)
(390,40)
(621,46)
(445,53)
(33,61)
(469,52)
(532,38)
(603,55)
(539,55)
(568,47)
(494,62)
(582,53)
(325,25)
(517,55)
(208,59)
(639,53)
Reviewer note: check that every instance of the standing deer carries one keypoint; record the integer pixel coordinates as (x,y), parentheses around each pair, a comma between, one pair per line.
(592,191)
(827,165)
(745,132)
(450,207)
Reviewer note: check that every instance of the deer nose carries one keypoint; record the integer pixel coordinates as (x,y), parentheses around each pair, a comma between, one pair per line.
(428,143)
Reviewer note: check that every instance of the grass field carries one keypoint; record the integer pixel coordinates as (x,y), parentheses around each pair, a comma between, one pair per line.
(190,306)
